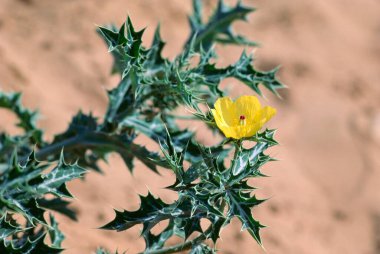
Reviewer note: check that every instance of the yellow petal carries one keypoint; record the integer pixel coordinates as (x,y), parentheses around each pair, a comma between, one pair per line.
(229,132)
(253,129)
(236,132)
(221,123)
(267,113)
(226,109)
(216,116)
(247,106)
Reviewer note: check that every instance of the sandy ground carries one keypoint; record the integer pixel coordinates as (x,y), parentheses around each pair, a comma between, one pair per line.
(325,191)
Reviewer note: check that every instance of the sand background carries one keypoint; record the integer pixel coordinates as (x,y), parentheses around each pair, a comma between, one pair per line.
(325,191)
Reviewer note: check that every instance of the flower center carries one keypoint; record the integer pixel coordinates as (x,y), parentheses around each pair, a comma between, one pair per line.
(242,120)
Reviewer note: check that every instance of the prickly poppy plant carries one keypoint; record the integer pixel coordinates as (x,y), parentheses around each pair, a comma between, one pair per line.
(34,171)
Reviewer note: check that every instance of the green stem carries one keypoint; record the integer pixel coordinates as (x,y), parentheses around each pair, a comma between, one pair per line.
(56,148)
(238,147)
(87,140)
(182,117)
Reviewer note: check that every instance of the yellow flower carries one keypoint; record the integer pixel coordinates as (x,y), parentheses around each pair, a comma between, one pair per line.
(242,118)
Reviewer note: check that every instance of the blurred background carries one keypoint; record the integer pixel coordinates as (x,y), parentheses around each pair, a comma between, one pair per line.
(325,190)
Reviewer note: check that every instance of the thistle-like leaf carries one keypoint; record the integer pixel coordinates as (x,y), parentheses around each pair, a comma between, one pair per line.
(240,206)
(247,162)
(89,143)
(121,101)
(202,249)
(27,118)
(266,136)
(155,242)
(154,57)
(125,46)
(242,70)
(23,185)
(152,210)
(219,27)
(59,205)
(8,226)
(25,244)
(56,236)
(104,251)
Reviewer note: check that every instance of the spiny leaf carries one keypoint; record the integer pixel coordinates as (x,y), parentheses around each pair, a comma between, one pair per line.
(218,28)
(192,225)
(202,249)
(266,136)
(216,225)
(12,101)
(125,46)
(26,183)
(173,157)
(151,211)
(25,244)
(248,161)
(55,234)
(242,70)
(203,201)
(240,207)
(55,181)
(94,144)
(59,205)
(155,242)
(8,226)
(154,57)
(120,103)
(157,131)
(104,251)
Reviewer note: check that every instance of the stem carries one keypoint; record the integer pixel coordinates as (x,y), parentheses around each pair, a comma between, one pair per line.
(56,148)
(182,246)
(238,146)
(89,140)
(182,117)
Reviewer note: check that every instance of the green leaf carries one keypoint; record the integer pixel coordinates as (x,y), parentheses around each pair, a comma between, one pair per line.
(8,226)
(59,205)
(202,249)
(104,251)
(240,206)
(24,184)
(173,157)
(216,225)
(155,242)
(192,225)
(152,210)
(154,57)
(12,101)
(24,244)
(218,28)
(55,234)
(125,46)
(87,143)
(55,181)
(242,70)
(266,136)
(21,199)
(121,101)
(247,162)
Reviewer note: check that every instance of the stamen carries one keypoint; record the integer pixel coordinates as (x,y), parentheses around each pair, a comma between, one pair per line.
(242,120)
